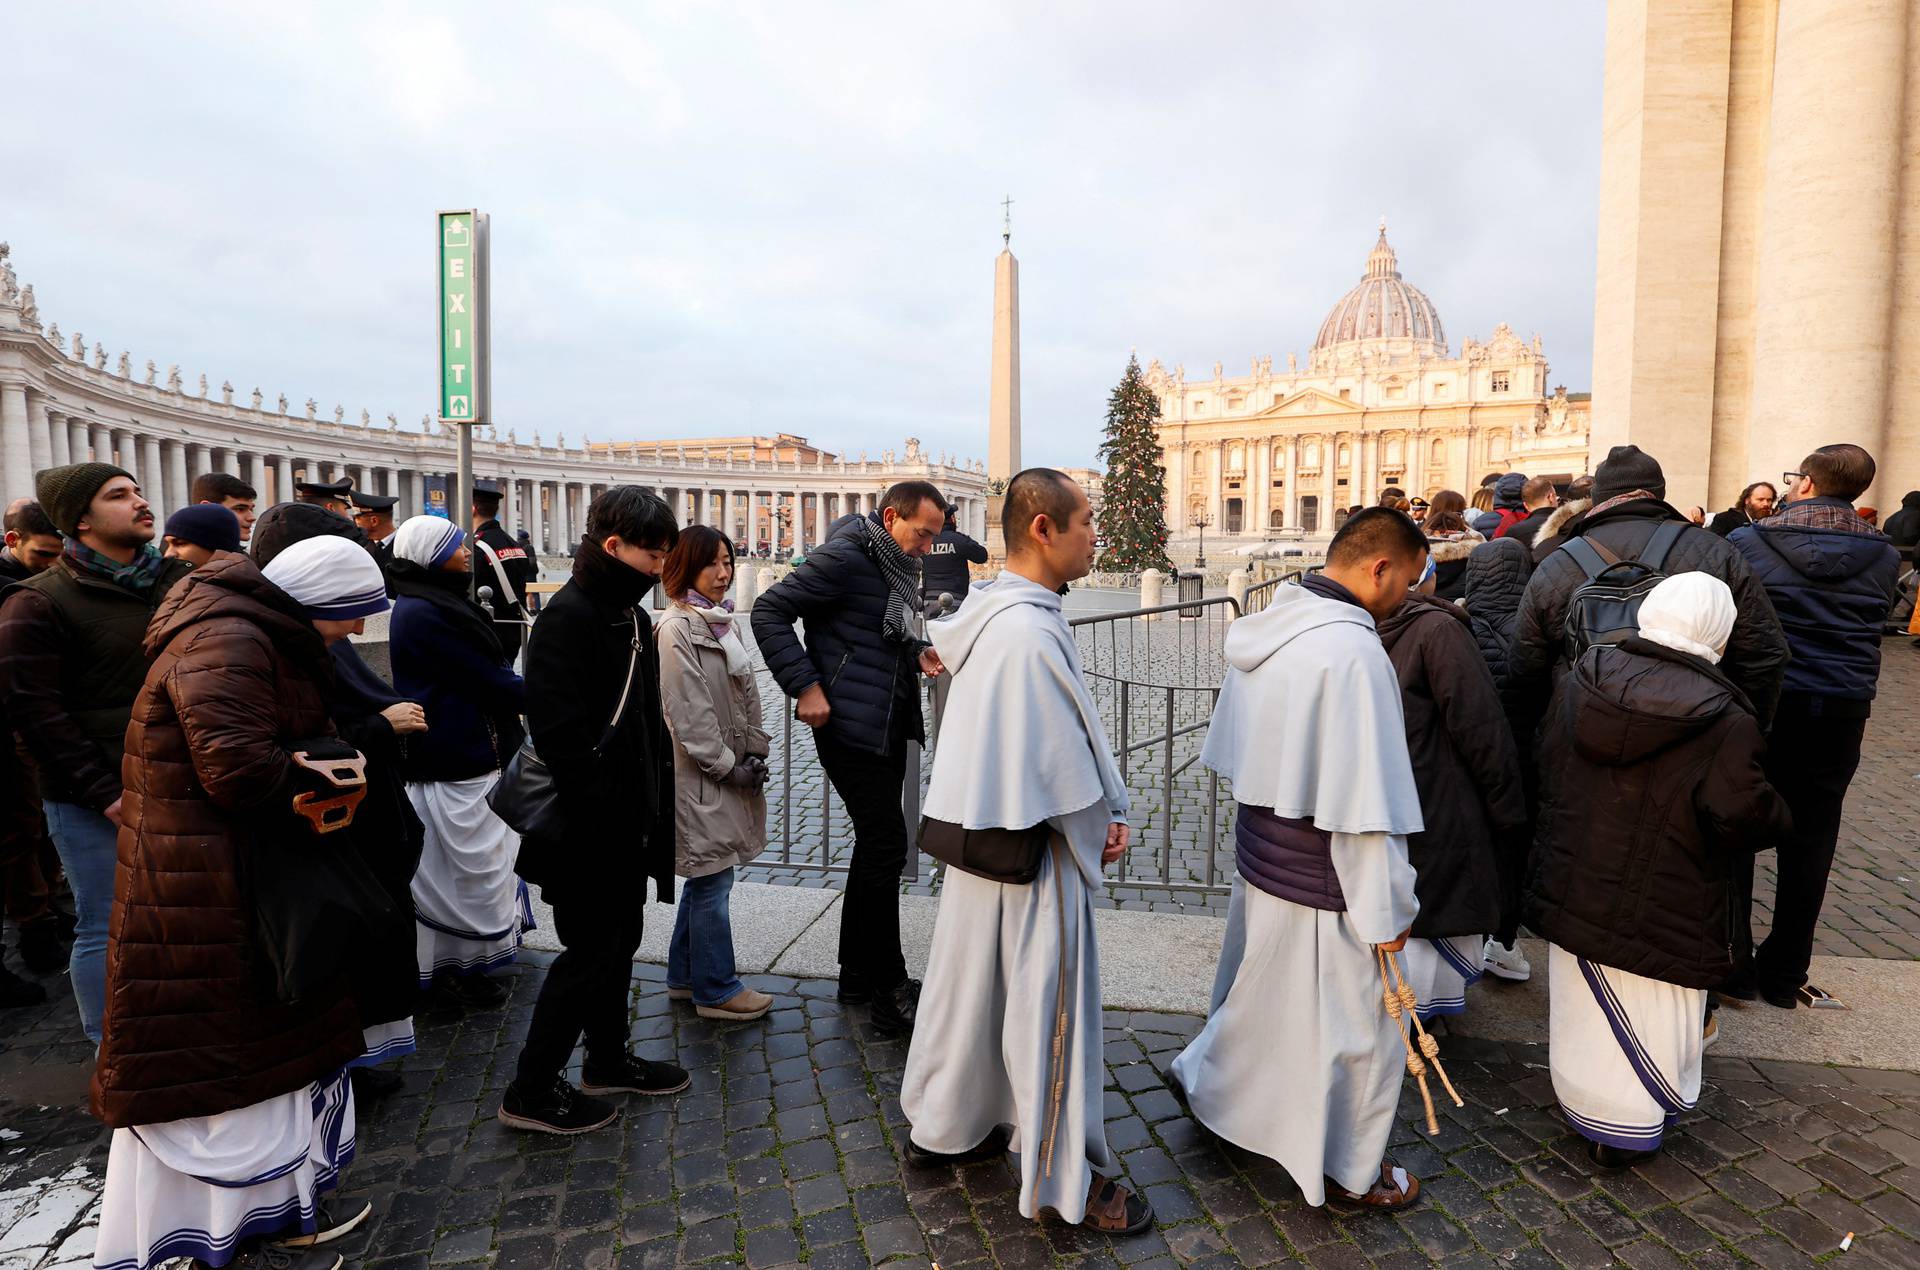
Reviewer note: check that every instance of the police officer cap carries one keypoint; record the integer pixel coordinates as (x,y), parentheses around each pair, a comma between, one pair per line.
(341,490)
(374,502)
(487,494)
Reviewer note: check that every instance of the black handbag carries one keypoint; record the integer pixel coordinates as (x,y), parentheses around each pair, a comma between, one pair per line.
(315,901)
(524,796)
(998,855)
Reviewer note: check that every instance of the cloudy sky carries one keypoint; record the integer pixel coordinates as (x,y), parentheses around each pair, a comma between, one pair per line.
(712,219)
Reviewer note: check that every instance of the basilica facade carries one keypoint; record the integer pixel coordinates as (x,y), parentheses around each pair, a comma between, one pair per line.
(1381,401)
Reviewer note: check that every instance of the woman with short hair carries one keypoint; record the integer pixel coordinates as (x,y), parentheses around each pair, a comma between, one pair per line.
(1449,542)
(719,769)
(469,907)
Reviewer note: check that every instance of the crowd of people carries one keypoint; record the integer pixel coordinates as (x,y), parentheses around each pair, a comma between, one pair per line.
(1579,711)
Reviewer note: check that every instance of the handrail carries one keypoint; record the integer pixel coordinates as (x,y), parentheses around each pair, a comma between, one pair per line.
(1116,615)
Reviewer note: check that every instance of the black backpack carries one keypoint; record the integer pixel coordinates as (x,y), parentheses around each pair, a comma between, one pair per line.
(1605,609)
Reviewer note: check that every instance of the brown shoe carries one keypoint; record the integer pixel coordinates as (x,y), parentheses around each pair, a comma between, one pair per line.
(742,1007)
(1395,1190)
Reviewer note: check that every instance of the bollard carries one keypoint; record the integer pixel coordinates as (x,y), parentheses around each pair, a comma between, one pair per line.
(1151,583)
(747,588)
(1237,583)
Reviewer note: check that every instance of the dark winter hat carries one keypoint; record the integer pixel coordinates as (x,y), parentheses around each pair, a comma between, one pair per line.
(206,525)
(1625,469)
(66,491)
(284,524)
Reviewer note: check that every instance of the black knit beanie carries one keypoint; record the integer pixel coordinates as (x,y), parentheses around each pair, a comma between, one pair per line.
(66,492)
(1625,469)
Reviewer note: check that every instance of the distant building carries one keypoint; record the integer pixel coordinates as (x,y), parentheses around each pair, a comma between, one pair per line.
(1381,401)
(1090,479)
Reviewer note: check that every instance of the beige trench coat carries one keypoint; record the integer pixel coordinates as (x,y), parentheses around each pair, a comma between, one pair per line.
(715,721)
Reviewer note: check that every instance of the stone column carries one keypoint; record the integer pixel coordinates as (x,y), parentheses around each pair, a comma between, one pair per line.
(256,475)
(797,522)
(1216,483)
(39,445)
(1262,485)
(1357,483)
(1826,260)
(176,456)
(14,448)
(160,492)
(57,433)
(416,490)
(536,514)
(79,443)
(1329,463)
(102,445)
(563,513)
(200,462)
(283,482)
(1290,494)
(753,520)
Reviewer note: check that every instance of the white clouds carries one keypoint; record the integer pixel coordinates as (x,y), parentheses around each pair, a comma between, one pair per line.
(718,216)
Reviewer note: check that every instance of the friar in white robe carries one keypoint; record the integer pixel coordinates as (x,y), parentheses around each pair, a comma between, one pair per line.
(1299,1060)
(1009,1037)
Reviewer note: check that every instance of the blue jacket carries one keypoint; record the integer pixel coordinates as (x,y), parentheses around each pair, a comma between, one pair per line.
(446,658)
(871,681)
(1831,579)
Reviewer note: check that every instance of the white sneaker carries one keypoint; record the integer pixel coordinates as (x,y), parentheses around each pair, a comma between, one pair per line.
(1507,963)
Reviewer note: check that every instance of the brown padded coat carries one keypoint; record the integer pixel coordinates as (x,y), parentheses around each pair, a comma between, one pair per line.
(190,1029)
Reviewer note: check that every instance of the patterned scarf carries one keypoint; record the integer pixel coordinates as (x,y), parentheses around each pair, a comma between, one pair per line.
(137,575)
(903,578)
(719,616)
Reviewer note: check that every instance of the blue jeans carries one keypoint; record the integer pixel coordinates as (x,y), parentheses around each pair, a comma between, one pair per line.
(700,955)
(86,840)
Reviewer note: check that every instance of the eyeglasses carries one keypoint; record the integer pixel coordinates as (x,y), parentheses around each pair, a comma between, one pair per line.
(1790,479)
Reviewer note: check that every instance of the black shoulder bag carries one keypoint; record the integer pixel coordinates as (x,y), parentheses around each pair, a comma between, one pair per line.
(998,855)
(524,796)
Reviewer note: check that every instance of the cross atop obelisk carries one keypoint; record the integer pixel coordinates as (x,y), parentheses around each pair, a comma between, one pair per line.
(1006,221)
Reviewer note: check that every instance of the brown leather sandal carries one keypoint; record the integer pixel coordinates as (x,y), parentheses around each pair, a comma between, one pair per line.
(1112,1209)
(1396,1189)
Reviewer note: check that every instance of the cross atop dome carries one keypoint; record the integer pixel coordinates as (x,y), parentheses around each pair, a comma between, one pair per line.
(1381,262)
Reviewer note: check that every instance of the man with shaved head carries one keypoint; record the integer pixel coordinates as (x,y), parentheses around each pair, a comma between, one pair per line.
(1007,1054)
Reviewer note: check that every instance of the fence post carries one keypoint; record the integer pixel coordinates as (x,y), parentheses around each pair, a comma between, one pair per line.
(1151,583)
(1237,583)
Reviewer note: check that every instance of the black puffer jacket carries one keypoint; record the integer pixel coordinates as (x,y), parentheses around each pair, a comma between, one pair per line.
(1497,574)
(840,593)
(1904,525)
(1464,766)
(1450,554)
(1654,783)
(1756,656)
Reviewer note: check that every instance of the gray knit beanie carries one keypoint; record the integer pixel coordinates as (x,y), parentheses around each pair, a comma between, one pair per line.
(66,492)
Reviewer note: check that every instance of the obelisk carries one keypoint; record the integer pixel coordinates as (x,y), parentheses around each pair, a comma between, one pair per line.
(1003,405)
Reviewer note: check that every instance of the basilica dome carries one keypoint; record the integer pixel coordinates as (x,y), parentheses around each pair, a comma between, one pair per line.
(1383,308)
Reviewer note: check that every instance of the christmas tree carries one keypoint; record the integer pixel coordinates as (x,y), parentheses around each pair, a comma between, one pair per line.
(1133,509)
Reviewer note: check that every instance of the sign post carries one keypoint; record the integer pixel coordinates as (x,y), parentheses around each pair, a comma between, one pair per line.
(465,361)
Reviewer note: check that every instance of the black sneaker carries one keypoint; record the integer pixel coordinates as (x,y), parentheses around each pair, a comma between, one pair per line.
(630,1075)
(272,1257)
(16,992)
(855,990)
(331,1222)
(559,1108)
(893,1012)
(41,950)
(921,1158)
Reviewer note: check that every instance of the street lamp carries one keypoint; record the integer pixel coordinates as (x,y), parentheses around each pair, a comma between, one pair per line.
(1199,519)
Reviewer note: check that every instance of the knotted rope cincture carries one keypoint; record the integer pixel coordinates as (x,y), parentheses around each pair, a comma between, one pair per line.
(1402,1000)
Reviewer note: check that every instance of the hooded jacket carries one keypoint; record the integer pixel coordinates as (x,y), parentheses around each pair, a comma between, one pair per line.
(1464,766)
(1497,574)
(1903,527)
(1527,526)
(1654,785)
(1756,655)
(1831,577)
(1553,530)
(1450,554)
(1507,507)
(447,657)
(190,1029)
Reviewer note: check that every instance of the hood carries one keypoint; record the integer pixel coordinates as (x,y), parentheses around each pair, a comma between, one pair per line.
(954,638)
(1506,490)
(1293,612)
(1826,555)
(1633,700)
(1416,609)
(1912,501)
(1453,547)
(231,585)
(1499,570)
(1563,515)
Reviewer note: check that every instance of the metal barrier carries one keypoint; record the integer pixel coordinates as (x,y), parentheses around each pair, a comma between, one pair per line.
(1260,594)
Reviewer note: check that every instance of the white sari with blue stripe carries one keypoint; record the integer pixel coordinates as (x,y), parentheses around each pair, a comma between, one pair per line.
(469,908)
(1624,1050)
(198,1187)
(1441,970)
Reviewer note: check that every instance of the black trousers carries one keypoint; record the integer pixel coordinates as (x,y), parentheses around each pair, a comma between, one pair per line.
(870,785)
(586,991)
(1810,760)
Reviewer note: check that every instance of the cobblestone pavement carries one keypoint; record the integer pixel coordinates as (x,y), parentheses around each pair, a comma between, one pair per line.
(787,1150)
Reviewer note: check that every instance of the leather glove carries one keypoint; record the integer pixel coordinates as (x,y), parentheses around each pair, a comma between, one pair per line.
(745,776)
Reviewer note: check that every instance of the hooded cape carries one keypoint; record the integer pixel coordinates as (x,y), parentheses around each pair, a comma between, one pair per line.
(1309,721)
(1034,747)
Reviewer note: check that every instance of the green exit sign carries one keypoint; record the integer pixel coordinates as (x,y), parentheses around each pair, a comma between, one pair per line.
(463,316)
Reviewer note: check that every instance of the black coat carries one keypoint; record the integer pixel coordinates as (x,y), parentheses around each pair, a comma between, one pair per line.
(1464,766)
(1497,574)
(1528,526)
(1724,523)
(446,658)
(617,801)
(1756,655)
(871,681)
(1450,563)
(1653,785)
(944,567)
(1904,525)
(520,567)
